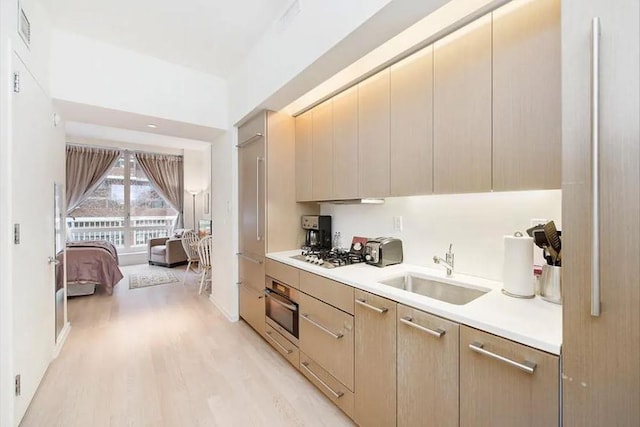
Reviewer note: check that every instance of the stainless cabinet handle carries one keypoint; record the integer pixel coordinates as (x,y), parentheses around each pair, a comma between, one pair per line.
(336,394)
(52,260)
(285,349)
(595,167)
(248,258)
(409,322)
(258,236)
(249,140)
(362,302)
(528,367)
(322,328)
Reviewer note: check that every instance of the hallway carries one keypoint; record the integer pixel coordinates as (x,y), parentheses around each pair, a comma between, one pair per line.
(165,356)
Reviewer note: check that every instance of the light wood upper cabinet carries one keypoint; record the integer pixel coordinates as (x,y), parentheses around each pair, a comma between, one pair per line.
(462,110)
(526,96)
(494,392)
(304,137)
(427,369)
(375,360)
(373,133)
(345,144)
(322,151)
(411,125)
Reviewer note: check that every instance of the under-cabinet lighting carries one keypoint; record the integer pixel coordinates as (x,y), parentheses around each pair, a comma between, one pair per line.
(437,21)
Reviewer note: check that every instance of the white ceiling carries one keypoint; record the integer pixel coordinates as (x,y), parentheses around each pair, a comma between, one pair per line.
(208,35)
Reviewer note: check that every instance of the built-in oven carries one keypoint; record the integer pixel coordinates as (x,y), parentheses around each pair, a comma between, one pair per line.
(281,308)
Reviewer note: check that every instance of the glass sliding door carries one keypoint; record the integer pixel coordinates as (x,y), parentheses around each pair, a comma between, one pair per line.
(124,210)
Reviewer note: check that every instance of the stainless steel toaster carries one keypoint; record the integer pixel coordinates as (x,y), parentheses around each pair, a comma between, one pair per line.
(383,251)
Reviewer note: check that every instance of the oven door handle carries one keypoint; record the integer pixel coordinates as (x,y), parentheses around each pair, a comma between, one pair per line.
(279,300)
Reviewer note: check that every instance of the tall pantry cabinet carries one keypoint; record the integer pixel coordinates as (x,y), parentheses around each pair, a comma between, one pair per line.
(601,309)
(268,215)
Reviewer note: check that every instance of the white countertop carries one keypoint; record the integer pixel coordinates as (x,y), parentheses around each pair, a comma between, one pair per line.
(533,322)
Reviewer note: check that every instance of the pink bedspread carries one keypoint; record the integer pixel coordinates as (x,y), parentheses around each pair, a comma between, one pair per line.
(93,261)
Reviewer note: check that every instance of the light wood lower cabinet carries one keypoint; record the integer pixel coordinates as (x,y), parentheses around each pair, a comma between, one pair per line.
(327,384)
(251,307)
(428,348)
(375,360)
(282,345)
(503,383)
(326,335)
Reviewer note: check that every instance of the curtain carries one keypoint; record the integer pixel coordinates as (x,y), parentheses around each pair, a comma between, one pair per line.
(86,169)
(166,174)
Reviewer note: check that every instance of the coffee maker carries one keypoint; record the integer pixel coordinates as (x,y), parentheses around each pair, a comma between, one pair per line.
(317,232)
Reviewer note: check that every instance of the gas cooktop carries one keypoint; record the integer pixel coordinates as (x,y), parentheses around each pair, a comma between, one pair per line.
(329,258)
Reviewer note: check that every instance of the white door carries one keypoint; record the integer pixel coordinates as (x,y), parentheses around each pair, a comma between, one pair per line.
(35,163)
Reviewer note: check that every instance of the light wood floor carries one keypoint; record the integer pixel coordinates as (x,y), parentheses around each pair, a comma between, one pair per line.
(165,356)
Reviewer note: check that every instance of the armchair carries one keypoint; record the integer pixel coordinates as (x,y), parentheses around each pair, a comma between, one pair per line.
(166,252)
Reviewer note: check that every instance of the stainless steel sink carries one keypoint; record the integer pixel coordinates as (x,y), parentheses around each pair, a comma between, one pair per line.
(447,292)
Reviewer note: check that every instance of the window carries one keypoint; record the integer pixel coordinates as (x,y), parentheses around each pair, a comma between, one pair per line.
(124,209)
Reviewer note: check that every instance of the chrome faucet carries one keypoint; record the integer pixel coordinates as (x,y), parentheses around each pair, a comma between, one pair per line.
(447,262)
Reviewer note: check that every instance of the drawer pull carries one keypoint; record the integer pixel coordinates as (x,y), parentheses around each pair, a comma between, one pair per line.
(248,258)
(362,302)
(285,349)
(409,322)
(322,328)
(528,367)
(336,394)
(250,139)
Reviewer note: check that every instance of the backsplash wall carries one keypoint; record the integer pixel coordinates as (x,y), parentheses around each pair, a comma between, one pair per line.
(474,223)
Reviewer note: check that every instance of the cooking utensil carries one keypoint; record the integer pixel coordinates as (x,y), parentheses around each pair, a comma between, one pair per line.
(539,238)
(552,235)
(535,228)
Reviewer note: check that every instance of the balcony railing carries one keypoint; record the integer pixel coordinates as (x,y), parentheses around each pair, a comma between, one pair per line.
(113,230)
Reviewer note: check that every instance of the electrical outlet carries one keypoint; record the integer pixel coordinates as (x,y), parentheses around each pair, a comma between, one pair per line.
(397,223)
(536,221)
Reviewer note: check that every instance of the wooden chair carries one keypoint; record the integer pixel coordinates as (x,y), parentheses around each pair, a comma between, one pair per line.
(190,244)
(205,249)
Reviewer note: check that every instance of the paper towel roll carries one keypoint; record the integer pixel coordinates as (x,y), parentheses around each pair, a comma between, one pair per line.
(518,280)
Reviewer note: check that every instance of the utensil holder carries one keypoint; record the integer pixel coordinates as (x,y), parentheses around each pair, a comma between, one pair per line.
(551,284)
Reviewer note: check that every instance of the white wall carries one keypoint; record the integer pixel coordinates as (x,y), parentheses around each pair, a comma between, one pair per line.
(225,230)
(89,72)
(474,223)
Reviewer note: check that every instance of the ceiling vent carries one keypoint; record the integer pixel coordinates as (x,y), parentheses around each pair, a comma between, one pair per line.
(24,27)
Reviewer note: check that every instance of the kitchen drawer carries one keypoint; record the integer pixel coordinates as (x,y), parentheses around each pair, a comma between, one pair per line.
(282,345)
(327,384)
(283,273)
(497,391)
(329,291)
(327,336)
(251,307)
(251,272)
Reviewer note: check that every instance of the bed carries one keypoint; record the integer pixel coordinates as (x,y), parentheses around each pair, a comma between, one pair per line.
(91,263)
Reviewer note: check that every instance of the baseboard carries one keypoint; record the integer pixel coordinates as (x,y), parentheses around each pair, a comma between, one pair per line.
(62,338)
(223,311)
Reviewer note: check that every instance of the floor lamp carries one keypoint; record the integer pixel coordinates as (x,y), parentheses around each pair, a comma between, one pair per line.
(193,195)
